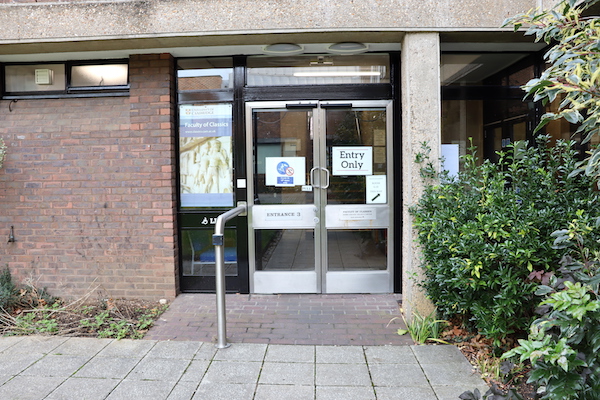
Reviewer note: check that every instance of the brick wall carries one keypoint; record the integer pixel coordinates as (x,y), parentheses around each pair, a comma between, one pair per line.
(88,185)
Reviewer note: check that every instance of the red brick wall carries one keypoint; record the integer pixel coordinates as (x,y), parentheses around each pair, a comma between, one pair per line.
(88,185)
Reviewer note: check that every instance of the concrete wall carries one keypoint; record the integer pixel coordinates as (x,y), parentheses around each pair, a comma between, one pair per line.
(421,123)
(88,186)
(156,18)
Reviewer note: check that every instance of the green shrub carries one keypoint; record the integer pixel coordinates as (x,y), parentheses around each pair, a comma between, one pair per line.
(485,235)
(8,290)
(563,346)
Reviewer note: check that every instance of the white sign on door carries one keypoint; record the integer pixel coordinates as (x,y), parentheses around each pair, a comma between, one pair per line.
(353,160)
(285,171)
(376,189)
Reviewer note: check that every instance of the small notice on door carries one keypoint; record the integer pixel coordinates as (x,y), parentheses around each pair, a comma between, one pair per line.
(285,171)
(376,189)
(358,215)
(355,160)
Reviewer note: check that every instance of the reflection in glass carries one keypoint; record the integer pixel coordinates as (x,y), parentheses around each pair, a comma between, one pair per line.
(198,253)
(282,134)
(355,127)
(357,250)
(99,75)
(318,70)
(285,250)
(197,74)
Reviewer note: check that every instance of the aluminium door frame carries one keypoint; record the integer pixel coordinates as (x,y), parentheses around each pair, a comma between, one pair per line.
(321,229)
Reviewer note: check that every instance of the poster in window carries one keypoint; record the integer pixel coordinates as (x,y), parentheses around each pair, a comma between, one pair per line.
(205,151)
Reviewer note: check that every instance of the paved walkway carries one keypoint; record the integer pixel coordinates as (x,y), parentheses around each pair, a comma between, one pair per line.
(60,368)
(345,319)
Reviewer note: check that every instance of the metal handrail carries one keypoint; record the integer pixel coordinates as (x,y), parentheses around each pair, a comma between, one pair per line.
(218,241)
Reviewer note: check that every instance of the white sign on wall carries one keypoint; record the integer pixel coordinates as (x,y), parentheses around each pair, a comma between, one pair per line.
(353,160)
(285,171)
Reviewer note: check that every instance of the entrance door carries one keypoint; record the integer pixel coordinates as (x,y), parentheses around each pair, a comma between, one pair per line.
(320,219)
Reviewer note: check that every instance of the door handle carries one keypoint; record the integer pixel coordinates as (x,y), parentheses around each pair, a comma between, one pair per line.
(312,178)
(327,175)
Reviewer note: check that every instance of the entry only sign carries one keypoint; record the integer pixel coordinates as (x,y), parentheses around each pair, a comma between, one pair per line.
(356,160)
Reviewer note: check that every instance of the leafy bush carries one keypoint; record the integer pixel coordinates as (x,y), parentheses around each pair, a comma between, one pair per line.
(563,346)
(485,235)
(8,290)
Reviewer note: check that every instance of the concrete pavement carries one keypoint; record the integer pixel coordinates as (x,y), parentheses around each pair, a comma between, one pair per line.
(60,368)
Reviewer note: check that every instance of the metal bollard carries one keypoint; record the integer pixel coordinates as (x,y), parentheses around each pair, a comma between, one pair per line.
(219,243)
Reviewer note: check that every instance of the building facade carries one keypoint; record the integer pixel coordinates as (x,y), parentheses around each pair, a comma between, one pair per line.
(131,125)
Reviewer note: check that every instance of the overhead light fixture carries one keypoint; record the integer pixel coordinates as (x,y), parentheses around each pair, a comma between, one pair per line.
(322,60)
(283,49)
(348,48)
(337,73)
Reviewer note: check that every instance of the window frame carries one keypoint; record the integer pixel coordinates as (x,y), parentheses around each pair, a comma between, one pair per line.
(69,91)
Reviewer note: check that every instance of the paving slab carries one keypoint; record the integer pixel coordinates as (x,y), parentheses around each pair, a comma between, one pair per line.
(340,354)
(398,375)
(147,390)
(56,365)
(233,372)
(224,391)
(248,352)
(390,355)
(84,388)
(195,371)
(406,393)
(127,348)
(287,374)
(345,392)
(29,387)
(108,368)
(159,369)
(170,349)
(290,353)
(342,375)
(81,346)
(288,392)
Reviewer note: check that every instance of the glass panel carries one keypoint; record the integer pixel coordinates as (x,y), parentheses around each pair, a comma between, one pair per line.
(99,75)
(23,78)
(357,250)
(520,131)
(462,122)
(356,148)
(198,253)
(205,154)
(473,69)
(285,250)
(318,70)
(284,157)
(204,74)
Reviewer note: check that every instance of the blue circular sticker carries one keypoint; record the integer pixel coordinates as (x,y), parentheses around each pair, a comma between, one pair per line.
(282,167)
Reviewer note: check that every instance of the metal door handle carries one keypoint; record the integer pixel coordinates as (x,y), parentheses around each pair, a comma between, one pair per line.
(327,175)
(312,178)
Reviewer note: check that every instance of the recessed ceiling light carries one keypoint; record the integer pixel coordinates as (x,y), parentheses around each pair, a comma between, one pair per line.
(348,48)
(284,49)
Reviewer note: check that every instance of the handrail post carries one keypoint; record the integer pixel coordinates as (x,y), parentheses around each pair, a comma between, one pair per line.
(219,243)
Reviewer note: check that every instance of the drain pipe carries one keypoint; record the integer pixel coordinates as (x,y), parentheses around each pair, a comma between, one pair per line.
(219,243)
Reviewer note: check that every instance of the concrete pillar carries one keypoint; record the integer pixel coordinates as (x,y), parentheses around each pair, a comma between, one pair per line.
(421,122)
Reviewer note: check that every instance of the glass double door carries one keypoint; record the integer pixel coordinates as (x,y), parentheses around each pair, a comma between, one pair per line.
(319,190)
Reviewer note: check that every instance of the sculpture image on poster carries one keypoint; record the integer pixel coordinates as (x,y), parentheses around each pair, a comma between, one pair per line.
(206,168)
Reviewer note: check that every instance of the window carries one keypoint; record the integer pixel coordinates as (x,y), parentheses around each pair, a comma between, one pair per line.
(318,70)
(64,79)
(200,74)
